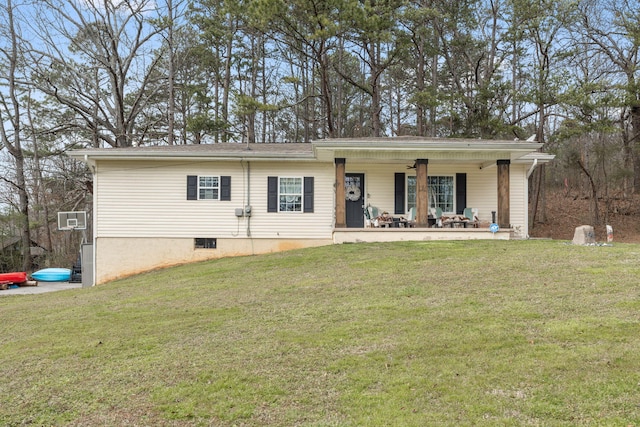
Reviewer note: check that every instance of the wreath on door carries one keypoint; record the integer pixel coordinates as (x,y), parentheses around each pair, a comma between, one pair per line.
(353,193)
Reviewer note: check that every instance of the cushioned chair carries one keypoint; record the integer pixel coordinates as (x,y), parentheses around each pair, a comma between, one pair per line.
(437,214)
(373,213)
(411,218)
(367,218)
(472,215)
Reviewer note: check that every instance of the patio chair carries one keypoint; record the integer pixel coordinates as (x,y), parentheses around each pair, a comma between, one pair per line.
(472,215)
(373,213)
(411,218)
(437,214)
(367,218)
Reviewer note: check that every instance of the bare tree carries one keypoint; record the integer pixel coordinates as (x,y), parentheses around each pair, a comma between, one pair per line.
(11,116)
(612,28)
(106,80)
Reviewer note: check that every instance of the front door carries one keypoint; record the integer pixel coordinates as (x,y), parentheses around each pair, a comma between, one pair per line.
(354,194)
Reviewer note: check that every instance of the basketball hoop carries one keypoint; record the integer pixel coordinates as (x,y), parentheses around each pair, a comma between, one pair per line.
(72,220)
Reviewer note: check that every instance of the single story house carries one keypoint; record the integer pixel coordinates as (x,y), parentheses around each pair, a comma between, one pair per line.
(165,205)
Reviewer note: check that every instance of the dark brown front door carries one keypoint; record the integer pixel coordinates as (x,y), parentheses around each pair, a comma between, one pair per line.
(354,194)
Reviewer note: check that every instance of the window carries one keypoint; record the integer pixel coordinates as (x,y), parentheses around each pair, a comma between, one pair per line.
(441,192)
(207,187)
(204,243)
(411,192)
(353,188)
(289,194)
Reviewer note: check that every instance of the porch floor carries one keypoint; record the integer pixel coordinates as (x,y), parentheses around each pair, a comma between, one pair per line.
(354,235)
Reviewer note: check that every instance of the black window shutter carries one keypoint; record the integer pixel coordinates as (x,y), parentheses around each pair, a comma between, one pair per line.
(272,194)
(308,194)
(225,188)
(192,187)
(461,192)
(399,194)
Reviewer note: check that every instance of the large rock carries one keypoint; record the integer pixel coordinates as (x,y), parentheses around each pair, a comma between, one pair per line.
(584,235)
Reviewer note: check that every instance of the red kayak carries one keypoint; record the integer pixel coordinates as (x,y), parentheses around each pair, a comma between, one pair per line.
(18,277)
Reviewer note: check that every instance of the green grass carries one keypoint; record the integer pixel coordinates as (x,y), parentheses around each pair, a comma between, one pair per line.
(405,334)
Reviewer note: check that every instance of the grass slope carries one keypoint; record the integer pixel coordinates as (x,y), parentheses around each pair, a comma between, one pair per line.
(404,334)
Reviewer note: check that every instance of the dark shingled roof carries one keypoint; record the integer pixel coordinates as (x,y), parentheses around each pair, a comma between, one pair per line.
(224,147)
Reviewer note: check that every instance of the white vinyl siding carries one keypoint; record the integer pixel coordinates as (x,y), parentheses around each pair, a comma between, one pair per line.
(276,225)
(149,200)
(482,190)
(519,199)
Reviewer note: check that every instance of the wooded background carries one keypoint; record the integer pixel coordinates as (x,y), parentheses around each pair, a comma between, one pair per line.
(100,73)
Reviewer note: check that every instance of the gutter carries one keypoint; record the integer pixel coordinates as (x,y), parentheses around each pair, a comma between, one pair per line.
(446,145)
(533,166)
(92,157)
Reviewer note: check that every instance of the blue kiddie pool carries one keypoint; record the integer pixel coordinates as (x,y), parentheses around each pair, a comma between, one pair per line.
(52,275)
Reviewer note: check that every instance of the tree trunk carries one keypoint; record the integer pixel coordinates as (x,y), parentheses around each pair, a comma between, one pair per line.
(434,82)
(593,205)
(39,186)
(635,143)
(14,146)
(226,85)
(374,82)
(536,182)
(171,114)
(421,124)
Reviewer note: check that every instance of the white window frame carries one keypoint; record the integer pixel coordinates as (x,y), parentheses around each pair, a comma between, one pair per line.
(300,195)
(204,187)
(409,194)
(432,201)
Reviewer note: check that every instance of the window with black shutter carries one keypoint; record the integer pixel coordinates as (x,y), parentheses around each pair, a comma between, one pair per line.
(308,194)
(290,194)
(205,187)
(192,187)
(398,208)
(272,194)
(225,188)
(461,192)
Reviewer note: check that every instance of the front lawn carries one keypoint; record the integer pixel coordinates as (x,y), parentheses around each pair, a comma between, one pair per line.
(396,334)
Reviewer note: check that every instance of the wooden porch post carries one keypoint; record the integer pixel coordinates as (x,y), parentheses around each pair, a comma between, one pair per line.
(504,211)
(341,209)
(422,193)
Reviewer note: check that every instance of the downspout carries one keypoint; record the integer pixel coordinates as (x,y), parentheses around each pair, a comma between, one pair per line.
(533,166)
(94,222)
(529,173)
(247,208)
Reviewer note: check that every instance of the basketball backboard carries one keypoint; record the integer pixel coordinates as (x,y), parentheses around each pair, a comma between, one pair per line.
(72,220)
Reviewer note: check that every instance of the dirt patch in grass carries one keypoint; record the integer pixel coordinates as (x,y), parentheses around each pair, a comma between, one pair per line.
(566,211)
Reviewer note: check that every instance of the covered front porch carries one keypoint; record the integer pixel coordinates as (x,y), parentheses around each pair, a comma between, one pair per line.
(409,179)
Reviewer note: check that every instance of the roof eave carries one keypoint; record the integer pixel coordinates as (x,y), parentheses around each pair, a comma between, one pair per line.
(90,155)
(439,145)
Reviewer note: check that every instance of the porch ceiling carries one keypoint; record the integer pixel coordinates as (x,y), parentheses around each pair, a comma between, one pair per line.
(391,150)
(411,156)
